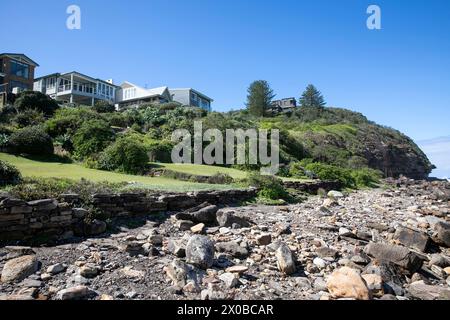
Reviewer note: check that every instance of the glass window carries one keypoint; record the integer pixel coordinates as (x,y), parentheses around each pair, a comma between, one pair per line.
(19,69)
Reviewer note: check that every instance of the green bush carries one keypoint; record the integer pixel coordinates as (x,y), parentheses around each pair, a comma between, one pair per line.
(9,175)
(68,120)
(31,141)
(125,155)
(366,177)
(92,137)
(270,187)
(29,117)
(102,106)
(37,101)
(332,173)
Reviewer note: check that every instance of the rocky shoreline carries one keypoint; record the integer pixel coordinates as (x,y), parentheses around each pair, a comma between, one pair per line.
(390,243)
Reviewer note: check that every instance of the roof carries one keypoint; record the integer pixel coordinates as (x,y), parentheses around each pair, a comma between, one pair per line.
(193,90)
(151,92)
(20,56)
(75,72)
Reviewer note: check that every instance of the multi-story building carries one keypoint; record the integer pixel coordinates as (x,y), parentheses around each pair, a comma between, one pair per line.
(283,105)
(130,95)
(16,74)
(191,97)
(77,88)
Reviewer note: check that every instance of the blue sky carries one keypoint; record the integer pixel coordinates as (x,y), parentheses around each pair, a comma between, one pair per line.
(397,76)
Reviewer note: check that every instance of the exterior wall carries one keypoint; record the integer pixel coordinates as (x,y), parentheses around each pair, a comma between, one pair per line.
(8,77)
(190,97)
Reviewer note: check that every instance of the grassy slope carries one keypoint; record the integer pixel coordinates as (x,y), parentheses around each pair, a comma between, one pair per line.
(203,170)
(31,168)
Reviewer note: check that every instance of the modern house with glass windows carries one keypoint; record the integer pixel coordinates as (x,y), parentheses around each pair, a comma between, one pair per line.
(16,74)
(77,88)
(129,95)
(191,97)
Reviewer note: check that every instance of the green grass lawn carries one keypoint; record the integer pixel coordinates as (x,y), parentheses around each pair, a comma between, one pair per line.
(203,170)
(32,168)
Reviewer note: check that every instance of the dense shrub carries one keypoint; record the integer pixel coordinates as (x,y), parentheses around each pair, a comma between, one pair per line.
(31,141)
(36,100)
(332,173)
(125,155)
(9,175)
(366,177)
(92,137)
(29,117)
(102,106)
(270,187)
(68,120)
(160,151)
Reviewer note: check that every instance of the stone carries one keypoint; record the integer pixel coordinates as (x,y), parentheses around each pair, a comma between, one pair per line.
(347,283)
(19,268)
(237,269)
(184,225)
(177,248)
(398,255)
(447,270)
(319,263)
(176,271)
(134,248)
(422,291)
(129,272)
(75,293)
(375,284)
(203,215)
(200,251)
(388,297)
(329,202)
(89,271)
(413,239)
(326,252)
(156,239)
(285,259)
(232,248)
(227,219)
(198,228)
(443,233)
(439,260)
(56,268)
(264,239)
(229,279)
(95,227)
(335,194)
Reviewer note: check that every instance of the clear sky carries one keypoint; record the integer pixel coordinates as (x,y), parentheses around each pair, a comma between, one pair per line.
(398,76)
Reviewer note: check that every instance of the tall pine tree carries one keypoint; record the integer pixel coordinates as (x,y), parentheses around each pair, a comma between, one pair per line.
(312,98)
(259,98)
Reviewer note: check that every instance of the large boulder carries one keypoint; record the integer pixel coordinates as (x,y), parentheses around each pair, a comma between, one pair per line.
(204,215)
(422,291)
(347,283)
(232,248)
(228,219)
(285,259)
(19,268)
(94,227)
(443,233)
(75,293)
(413,239)
(200,251)
(398,255)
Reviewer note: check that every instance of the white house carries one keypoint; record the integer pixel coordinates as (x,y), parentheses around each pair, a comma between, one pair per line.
(130,95)
(75,87)
(191,97)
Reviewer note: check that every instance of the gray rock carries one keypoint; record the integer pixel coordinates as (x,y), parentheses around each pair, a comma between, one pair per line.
(443,233)
(56,268)
(200,251)
(232,248)
(229,279)
(326,252)
(439,260)
(75,293)
(285,259)
(184,225)
(413,239)
(177,248)
(335,194)
(398,255)
(95,227)
(203,215)
(19,268)
(89,271)
(422,291)
(228,219)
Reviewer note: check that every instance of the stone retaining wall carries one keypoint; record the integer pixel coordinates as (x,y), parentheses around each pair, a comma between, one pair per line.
(313,186)
(21,220)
